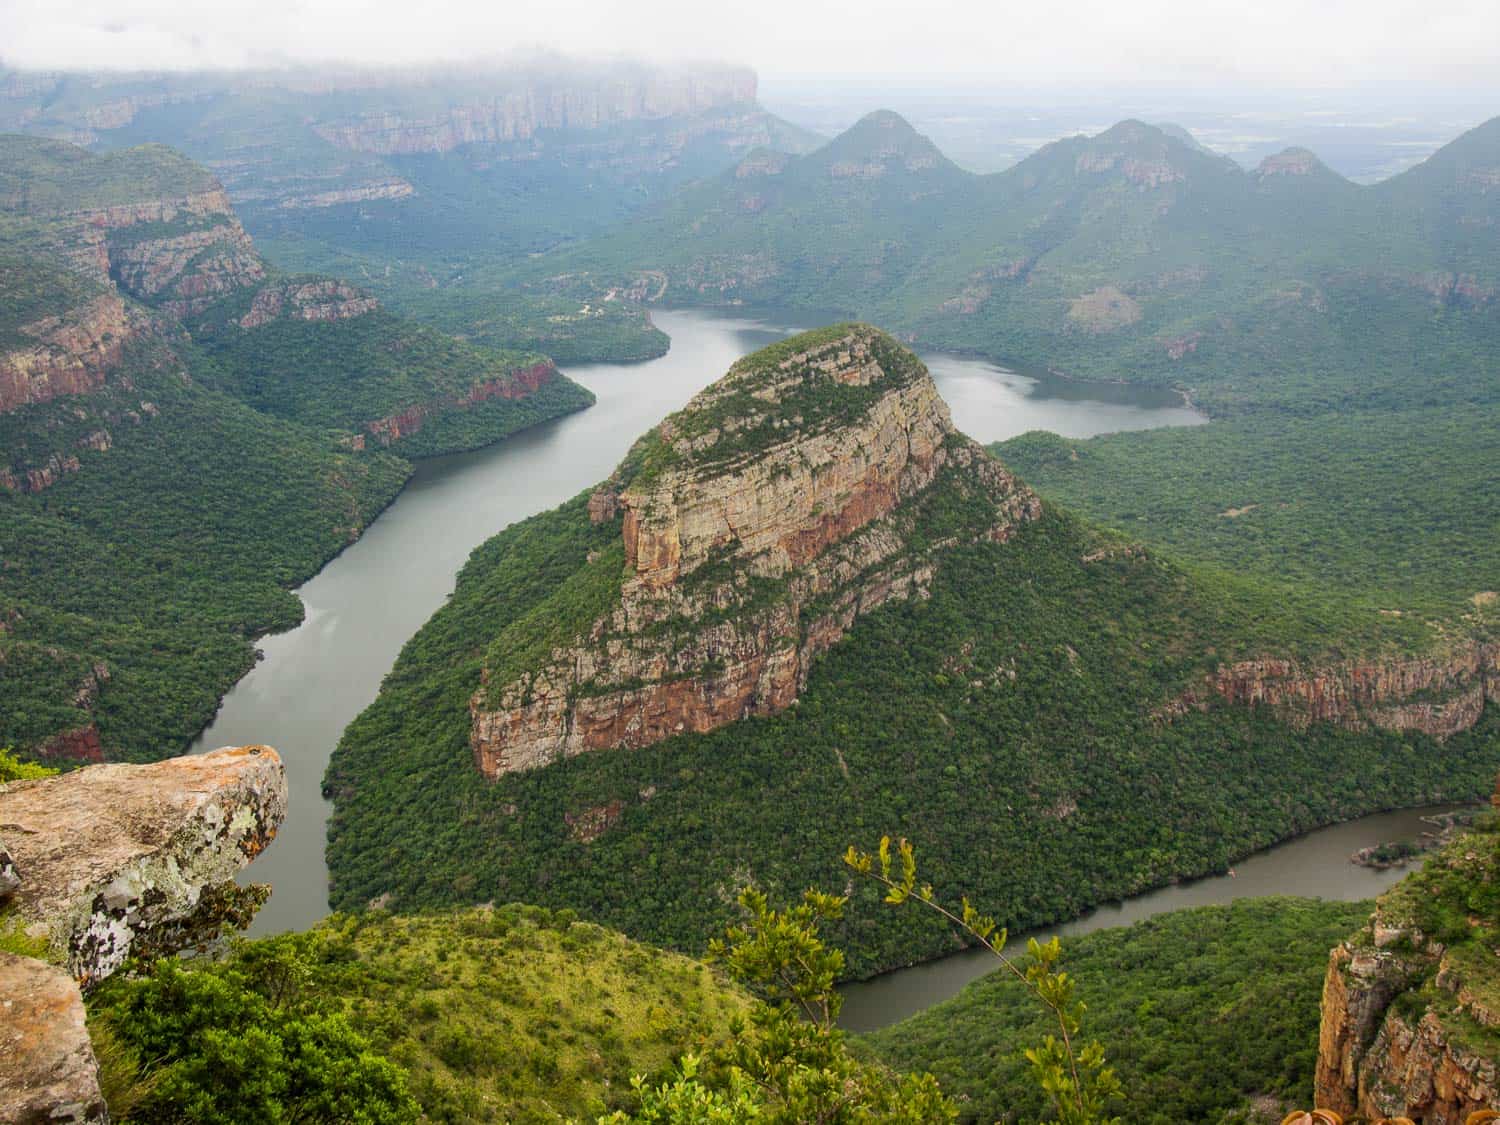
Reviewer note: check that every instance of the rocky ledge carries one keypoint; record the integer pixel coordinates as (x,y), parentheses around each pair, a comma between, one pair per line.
(1437,695)
(72,353)
(755,526)
(1411,1011)
(121,859)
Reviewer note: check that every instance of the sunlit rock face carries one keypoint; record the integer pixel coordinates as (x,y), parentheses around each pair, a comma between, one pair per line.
(1408,1015)
(48,1073)
(121,859)
(755,526)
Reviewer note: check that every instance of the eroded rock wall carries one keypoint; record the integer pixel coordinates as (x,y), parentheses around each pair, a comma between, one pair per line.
(768,533)
(1437,695)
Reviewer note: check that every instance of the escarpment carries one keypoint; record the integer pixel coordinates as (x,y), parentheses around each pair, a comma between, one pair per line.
(69,352)
(1410,1012)
(1437,695)
(755,526)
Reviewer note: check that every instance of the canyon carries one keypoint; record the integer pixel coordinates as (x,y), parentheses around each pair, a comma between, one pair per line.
(755,526)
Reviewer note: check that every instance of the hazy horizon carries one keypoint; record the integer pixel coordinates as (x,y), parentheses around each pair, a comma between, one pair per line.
(1340,45)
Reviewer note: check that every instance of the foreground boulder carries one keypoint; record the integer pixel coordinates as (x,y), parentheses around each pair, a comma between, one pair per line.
(115,859)
(48,1072)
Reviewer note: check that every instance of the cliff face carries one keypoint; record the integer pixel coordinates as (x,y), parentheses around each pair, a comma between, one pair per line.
(321,300)
(1435,695)
(755,526)
(518,114)
(69,353)
(1410,1012)
(513,384)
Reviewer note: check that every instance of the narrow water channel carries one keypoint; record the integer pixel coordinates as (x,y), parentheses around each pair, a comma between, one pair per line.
(364,605)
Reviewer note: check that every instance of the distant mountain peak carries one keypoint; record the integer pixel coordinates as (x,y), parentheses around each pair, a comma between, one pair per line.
(879,143)
(1294,161)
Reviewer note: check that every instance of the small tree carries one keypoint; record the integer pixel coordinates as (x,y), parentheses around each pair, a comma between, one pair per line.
(1076,1080)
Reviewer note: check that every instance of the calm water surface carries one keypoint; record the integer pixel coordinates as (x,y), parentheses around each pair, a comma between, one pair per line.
(1316,866)
(364,605)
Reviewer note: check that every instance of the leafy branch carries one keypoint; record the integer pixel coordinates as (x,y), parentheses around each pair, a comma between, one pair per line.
(1076,1079)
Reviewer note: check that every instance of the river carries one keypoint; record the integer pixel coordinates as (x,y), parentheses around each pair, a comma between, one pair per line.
(362,607)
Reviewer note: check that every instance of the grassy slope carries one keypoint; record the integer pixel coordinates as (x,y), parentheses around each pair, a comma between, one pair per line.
(913,725)
(1200,1011)
(508,1015)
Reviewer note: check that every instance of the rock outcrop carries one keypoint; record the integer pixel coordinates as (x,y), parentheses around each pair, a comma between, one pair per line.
(1410,1011)
(755,526)
(48,1072)
(181,253)
(513,384)
(70,353)
(1437,695)
(116,859)
(322,299)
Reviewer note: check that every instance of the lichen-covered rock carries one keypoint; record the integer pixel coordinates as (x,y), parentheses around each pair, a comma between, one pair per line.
(10,878)
(122,858)
(756,525)
(48,1073)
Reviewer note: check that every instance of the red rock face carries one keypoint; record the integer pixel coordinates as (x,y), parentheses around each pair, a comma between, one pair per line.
(1452,690)
(815,515)
(73,353)
(80,745)
(515,384)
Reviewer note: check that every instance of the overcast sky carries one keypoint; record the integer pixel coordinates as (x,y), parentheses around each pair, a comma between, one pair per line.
(1316,43)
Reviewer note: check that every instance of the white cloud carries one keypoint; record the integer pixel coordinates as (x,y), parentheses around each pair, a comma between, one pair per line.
(1302,42)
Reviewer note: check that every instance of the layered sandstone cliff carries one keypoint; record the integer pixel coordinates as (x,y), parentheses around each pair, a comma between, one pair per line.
(529,106)
(71,352)
(181,252)
(1438,694)
(755,526)
(1411,1012)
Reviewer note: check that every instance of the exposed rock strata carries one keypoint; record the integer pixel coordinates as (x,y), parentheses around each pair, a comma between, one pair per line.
(520,113)
(73,353)
(182,253)
(753,534)
(514,384)
(1408,1022)
(48,1073)
(322,300)
(1435,695)
(122,858)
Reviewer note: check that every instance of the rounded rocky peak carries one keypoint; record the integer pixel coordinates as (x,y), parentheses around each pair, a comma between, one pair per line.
(813,382)
(1293,161)
(881,142)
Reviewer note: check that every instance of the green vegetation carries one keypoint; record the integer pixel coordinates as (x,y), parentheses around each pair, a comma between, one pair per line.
(13,769)
(1020,700)
(161,558)
(514,1014)
(150,530)
(1207,1013)
(345,374)
(1393,511)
